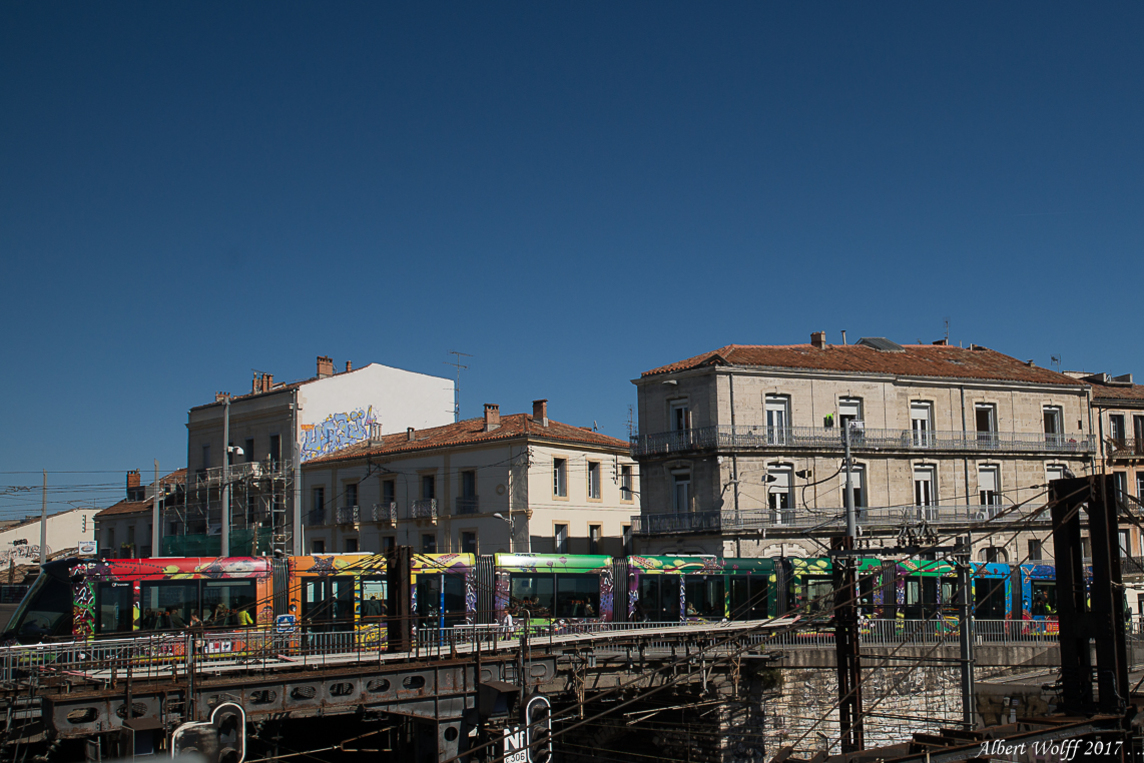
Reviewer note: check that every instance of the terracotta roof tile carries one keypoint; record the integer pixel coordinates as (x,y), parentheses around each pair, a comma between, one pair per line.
(126,507)
(1112,393)
(472,431)
(941,361)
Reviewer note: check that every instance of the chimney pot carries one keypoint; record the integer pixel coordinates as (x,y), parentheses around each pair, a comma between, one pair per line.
(492,416)
(220,396)
(267,382)
(409,434)
(540,412)
(133,479)
(818,340)
(349,366)
(325,366)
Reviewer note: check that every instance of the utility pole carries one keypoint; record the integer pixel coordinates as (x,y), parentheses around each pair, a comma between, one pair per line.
(44,522)
(846,619)
(225,541)
(457,387)
(965,629)
(156,517)
(296,537)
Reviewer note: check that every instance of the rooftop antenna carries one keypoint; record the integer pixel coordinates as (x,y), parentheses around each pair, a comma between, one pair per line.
(631,422)
(947,330)
(1057,362)
(457,387)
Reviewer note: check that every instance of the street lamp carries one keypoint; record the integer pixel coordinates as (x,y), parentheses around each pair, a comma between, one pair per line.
(511,530)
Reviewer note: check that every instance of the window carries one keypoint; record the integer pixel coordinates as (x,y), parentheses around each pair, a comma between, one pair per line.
(374,595)
(1035,551)
(1120,479)
(111,540)
(351,545)
(1053,424)
(1125,545)
(275,450)
(924,492)
(114,607)
(626,482)
(989,488)
(627,531)
(559,595)
(1138,433)
(207,456)
(249,448)
(594,480)
(428,487)
(560,541)
(1116,428)
(351,494)
(680,416)
(779,494)
(593,539)
(388,492)
(428,544)
(681,492)
(468,484)
(778,419)
(1140,489)
(318,546)
(857,485)
(985,416)
(388,543)
(318,505)
(468,543)
(704,596)
(560,477)
(921,424)
(251,505)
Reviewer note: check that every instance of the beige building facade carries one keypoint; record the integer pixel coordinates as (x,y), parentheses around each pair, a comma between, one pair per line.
(742,452)
(516,483)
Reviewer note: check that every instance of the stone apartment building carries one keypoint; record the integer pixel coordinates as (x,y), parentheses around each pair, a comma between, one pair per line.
(271,432)
(514,483)
(741,449)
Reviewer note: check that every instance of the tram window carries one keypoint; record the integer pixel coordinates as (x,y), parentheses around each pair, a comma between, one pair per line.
(1044,597)
(228,603)
(168,605)
(532,592)
(819,595)
(49,610)
(374,594)
(326,600)
(989,598)
(114,608)
(748,597)
(577,595)
(704,596)
(658,598)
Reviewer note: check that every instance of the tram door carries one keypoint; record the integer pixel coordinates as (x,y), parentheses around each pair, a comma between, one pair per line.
(989,598)
(440,600)
(658,600)
(328,603)
(921,597)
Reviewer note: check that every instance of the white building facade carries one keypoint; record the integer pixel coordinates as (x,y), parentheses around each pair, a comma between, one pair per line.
(496,484)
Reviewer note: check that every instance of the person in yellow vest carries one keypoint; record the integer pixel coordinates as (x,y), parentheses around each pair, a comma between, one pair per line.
(244,619)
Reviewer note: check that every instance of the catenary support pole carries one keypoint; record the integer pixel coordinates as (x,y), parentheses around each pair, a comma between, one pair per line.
(225,540)
(44,521)
(965,629)
(156,516)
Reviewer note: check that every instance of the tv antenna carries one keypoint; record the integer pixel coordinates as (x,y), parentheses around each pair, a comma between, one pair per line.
(457,387)
(1056,359)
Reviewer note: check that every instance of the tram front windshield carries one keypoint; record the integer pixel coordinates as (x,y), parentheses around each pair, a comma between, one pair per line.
(45,612)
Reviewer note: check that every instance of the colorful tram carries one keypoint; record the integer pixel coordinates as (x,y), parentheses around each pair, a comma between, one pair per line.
(82,598)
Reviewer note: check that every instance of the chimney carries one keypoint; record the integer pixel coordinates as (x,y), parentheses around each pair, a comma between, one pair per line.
(256,383)
(409,432)
(267,382)
(818,340)
(133,479)
(540,412)
(220,396)
(349,366)
(325,366)
(940,342)
(492,416)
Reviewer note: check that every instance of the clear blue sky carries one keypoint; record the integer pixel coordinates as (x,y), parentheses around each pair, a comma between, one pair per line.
(571,192)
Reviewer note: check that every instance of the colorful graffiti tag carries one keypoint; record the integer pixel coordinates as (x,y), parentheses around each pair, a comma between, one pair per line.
(336,432)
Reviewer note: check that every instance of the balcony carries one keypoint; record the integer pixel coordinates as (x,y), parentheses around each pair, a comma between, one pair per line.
(385,512)
(349,515)
(467,505)
(1120,449)
(784,439)
(824,520)
(426,508)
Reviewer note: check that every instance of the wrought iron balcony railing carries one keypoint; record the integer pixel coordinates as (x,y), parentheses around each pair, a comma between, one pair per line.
(426,508)
(385,512)
(735,437)
(720,521)
(1120,448)
(349,515)
(469,505)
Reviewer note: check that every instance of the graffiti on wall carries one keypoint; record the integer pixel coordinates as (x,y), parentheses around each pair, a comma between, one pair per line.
(337,431)
(24,554)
